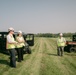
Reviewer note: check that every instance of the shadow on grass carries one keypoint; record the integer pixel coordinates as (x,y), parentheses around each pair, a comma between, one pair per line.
(70,54)
(5,62)
(52,54)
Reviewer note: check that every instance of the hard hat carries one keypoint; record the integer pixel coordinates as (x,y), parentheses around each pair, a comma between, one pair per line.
(61,34)
(20,31)
(10,29)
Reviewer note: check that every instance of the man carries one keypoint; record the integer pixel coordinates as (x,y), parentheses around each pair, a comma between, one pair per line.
(60,45)
(11,47)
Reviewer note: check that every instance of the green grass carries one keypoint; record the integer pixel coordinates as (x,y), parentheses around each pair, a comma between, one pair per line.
(42,61)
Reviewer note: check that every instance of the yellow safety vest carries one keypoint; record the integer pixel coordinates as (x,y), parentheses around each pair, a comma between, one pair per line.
(19,45)
(11,46)
(61,42)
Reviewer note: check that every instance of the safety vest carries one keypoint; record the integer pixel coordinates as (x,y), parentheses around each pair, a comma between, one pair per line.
(61,42)
(19,45)
(11,46)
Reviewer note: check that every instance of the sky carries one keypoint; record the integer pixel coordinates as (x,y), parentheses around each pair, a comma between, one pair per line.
(38,16)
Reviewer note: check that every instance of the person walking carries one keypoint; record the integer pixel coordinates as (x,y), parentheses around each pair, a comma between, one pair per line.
(11,47)
(60,45)
(20,45)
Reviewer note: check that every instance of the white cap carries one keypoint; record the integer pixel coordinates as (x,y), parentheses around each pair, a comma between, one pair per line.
(10,29)
(20,31)
(61,34)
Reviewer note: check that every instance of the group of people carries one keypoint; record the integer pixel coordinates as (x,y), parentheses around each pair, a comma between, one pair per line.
(19,44)
(13,44)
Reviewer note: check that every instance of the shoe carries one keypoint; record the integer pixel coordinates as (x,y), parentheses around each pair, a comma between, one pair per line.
(13,66)
(19,60)
(22,59)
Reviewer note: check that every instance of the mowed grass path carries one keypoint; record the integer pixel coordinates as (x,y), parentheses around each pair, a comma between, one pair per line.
(42,61)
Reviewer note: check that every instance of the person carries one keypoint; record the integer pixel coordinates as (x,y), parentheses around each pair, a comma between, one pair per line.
(60,45)
(20,45)
(11,47)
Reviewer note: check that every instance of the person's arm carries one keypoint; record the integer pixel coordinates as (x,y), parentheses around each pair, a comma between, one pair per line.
(20,40)
(10,41)
(64,41)
(17,39)
(23,40)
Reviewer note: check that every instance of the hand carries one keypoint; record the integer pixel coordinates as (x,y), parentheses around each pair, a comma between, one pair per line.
(16,42)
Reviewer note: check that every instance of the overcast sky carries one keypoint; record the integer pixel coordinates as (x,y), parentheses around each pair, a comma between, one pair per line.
(38,16)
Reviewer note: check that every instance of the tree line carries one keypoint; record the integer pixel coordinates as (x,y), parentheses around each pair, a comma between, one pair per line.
(54,34)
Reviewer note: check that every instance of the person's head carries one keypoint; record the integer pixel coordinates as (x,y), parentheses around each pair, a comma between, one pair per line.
(11,30)
(61,34)
(19,33)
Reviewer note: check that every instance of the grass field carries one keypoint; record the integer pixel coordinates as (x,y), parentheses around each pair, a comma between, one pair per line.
(42,61)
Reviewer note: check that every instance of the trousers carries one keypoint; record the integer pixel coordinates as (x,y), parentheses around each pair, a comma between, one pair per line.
(12,58)
(20,54)
(60,50)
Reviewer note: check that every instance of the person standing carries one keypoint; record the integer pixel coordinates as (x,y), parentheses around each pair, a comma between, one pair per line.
(20,45)
(11,47)
(60,45)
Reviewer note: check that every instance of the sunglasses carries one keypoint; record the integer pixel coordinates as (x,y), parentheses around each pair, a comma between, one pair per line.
(12,31)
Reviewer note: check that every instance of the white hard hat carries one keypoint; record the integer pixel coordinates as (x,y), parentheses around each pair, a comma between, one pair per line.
(61,34)
(10,29)
(20,31)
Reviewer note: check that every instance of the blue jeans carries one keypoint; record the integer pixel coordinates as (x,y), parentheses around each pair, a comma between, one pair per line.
(12,58)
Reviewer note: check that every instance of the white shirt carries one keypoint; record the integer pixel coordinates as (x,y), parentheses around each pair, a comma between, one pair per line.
(9,38)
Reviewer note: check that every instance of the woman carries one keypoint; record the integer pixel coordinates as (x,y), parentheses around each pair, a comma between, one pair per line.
(20,45)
